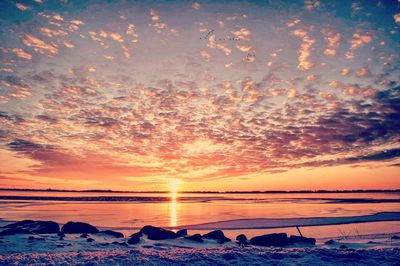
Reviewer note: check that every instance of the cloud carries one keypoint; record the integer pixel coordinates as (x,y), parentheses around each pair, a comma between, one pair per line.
(359,40)
(379,156)
(21,53)
(39,46)
(196,6)
(333,42)
(305,49)
(397,18)
(22,7)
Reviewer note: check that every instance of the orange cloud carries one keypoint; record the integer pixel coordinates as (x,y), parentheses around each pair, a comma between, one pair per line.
(305,49)
(39,46)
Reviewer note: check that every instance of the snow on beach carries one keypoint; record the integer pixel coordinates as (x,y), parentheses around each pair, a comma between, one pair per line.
(225,255)
(287,222)
(105,249)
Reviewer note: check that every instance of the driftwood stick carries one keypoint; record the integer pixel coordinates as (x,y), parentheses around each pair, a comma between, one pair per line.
(298,229)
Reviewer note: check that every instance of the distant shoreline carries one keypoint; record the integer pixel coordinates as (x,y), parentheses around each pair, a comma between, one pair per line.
(210,192)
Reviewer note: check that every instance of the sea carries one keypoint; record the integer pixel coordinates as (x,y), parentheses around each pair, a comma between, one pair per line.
(250,213)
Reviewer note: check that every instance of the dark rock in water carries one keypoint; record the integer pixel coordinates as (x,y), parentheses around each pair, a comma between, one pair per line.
(276,240)
(135,238)
(343,246)
(104,244)
(36,227)
(90,240)
(84,235)
(137,234)
(157,233)
(182,232)
(330,242)
(195,238)
(395,237)
(112,233)
(14,231)
(217,235)
(242,240)
(78,228)
(302,239)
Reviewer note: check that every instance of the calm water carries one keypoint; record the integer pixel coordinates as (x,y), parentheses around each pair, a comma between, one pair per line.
(189,209)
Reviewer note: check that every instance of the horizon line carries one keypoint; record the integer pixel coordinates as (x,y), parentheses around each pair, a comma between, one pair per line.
(210,192)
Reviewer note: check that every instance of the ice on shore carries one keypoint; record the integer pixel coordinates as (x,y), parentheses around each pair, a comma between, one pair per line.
(106,250)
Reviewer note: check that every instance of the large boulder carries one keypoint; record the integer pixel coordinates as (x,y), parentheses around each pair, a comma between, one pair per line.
(36,227)
(78,228)
(217,235)
(276,240)
(14,231)
(112,233)
(182,232)
(135,238)
(302,240)
(242,240)
(157,233)
(195,238)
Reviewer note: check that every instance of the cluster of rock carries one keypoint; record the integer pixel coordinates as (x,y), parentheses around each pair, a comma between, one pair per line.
(152,233)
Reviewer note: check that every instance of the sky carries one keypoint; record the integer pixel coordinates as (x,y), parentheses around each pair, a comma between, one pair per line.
(207,95)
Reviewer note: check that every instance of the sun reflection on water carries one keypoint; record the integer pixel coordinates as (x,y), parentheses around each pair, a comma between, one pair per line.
(173,217)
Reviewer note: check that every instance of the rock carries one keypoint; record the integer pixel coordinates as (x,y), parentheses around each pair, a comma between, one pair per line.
(14,231)
(78,228)
(395,237)
(137,234)
(241,240)
(84,235)
(157,233)
(302,239)
(182,232)
(36,227)
(330,242)
(217,235)
(276,240)
(343,246)
(195,238)
(112,233)
(135,238)
(90,240)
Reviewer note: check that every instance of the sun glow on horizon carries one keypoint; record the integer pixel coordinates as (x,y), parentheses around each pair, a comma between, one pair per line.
(174,187)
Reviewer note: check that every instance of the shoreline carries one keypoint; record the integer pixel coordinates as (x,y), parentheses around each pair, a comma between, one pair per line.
(101,248)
